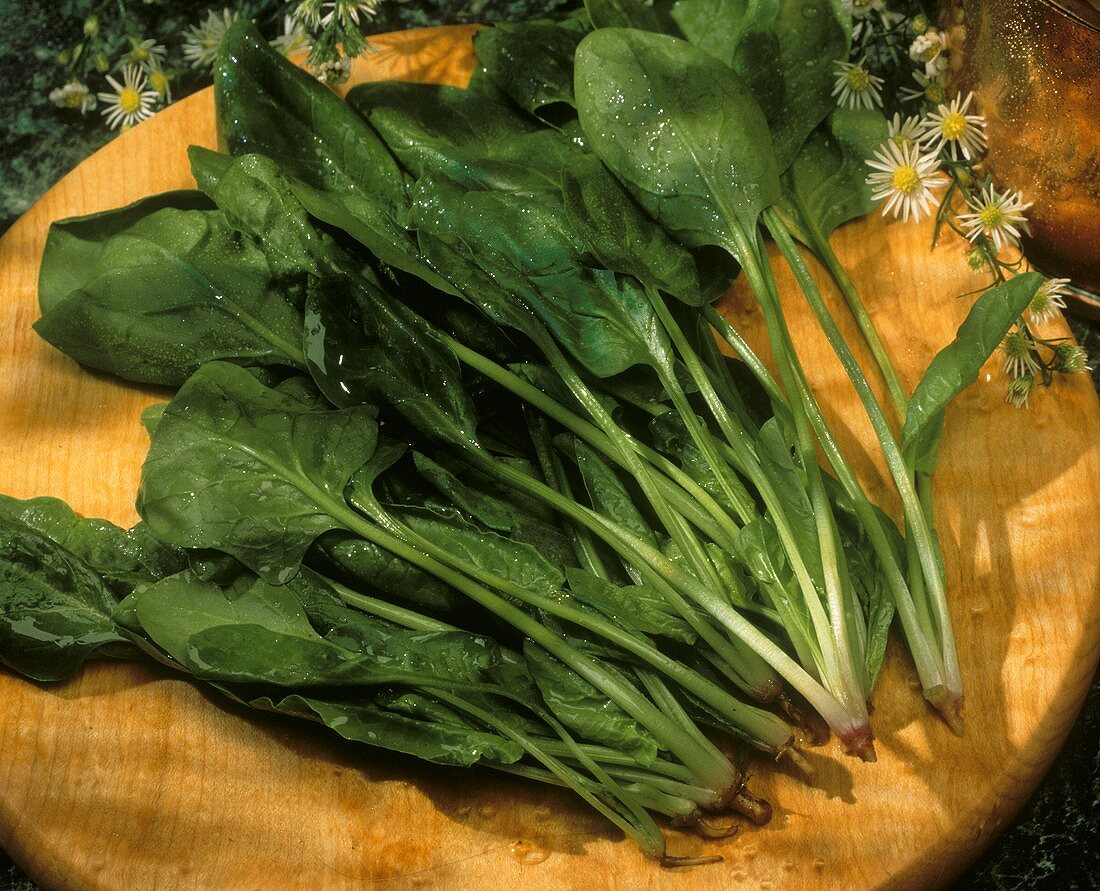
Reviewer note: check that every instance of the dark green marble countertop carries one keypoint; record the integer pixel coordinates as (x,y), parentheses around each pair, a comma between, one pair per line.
(1054,842)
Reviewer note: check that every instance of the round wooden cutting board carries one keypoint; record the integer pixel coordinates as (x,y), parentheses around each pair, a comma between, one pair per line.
(128,777)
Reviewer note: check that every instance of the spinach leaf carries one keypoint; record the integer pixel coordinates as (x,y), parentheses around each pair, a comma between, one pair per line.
(339,169)
(785,50)
(243,468)
(363,563)
(462,136)
(514,561)
(608,494)
(635,606)
(443,742)
(956,366)
(826,185)
(122,558)
(584,709)
(624,14)
(364,347)
(74,246)
(692,147)
(169,291)
(485,509)
(263,635)
(621,237)
(55,612)
(258,200)
(530,62)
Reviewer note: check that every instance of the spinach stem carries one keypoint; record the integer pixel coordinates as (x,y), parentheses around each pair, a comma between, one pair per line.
(707,762)
(841,671)
(900,472)
(762,728)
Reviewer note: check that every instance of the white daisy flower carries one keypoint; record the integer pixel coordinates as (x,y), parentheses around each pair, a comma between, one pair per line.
(294,40)
(1016,349)
(347,12)
(905,133)
(950,125)
(905,178)
(145,53)
(996,217)
(160,81)
(130,102)
(855,86)
(202,41)
(931,89)
(1048,299)
(75,95)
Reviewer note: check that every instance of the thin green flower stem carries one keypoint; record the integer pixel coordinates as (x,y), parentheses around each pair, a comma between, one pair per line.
(644,831)
(947,661)
(841,672)
(899,470)
(708,765)
(764,729)
(591,434)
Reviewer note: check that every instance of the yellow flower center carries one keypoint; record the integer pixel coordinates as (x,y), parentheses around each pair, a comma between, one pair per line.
(139,54)
(158,80)
(906,179)
(954,125)
(902,141)
(74,99)
(934,92)
(858,80)
(129,100)
(991,217)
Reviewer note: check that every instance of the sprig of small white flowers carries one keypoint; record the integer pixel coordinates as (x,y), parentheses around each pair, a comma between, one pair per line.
(328,32)
(942,145)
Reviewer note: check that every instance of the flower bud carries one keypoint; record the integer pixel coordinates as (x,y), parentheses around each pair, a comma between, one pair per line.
(91,26)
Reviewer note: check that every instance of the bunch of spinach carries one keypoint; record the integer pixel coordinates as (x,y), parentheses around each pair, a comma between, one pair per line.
(456,466)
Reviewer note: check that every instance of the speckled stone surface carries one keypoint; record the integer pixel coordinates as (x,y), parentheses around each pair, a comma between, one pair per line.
(1055,841)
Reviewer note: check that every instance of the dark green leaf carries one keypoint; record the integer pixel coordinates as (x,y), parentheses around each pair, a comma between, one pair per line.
(243,468)
(633,606)
(170,291)
(339,169)
(826,185)
(690,143)
(956,366)
(55,612)
(75,245)
(531,62)
(584,709)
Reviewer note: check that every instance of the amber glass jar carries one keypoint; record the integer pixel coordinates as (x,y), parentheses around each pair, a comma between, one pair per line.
(1034,66)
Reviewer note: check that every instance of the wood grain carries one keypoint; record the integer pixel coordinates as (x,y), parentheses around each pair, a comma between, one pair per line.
(126,777)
